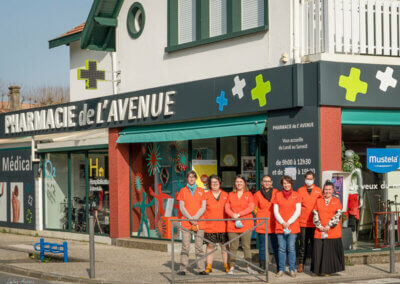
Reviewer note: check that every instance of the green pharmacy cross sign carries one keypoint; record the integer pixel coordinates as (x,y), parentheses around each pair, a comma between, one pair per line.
(91,75)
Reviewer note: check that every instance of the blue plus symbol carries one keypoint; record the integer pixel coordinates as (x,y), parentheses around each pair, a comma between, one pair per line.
(222,101)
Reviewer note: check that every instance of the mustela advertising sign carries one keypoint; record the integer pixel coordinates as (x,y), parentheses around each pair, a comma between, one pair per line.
(383,160)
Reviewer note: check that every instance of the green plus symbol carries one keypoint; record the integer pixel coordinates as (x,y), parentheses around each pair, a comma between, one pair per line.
(261,90)
(353,84)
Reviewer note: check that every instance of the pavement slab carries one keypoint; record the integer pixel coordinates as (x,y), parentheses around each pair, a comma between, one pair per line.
(128,265)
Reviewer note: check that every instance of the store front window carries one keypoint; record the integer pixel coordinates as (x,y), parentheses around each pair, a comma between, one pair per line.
(56,191)
(158,172)
(381,190)
(75,185)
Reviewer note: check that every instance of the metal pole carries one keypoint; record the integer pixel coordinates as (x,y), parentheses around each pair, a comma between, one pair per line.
(172,253)
(391,242)
(91,246)
(266,250)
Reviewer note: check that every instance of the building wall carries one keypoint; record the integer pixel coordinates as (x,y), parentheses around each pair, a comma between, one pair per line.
(78,57)
(144,63)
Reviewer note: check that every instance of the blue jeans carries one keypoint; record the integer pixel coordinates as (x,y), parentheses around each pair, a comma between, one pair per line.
(287,242)
(273,240)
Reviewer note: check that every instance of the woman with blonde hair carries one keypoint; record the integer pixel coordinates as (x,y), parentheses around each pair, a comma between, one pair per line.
(240,204)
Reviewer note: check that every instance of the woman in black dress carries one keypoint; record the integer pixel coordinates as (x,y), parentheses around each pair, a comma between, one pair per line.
(328,255)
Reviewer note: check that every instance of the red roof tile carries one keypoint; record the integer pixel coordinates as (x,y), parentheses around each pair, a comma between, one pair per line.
(75,30)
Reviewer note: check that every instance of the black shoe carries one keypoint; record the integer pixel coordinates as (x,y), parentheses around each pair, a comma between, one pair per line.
(181,273)
(262,264)
(203,273)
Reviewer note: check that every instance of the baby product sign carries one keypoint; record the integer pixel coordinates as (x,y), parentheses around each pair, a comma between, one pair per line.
(17,190)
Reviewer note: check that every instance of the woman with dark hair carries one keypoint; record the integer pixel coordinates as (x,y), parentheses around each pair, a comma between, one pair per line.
(240,204)
(215,231)
(328,255)
(265,209)
(192,204)
(287,209)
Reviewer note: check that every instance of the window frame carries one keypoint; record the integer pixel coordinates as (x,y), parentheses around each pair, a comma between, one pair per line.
(203,22)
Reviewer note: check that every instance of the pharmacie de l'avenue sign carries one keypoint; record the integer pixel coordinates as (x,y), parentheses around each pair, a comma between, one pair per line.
(236,94)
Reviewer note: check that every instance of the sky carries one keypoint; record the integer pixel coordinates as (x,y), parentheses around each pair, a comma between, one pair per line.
(26,26)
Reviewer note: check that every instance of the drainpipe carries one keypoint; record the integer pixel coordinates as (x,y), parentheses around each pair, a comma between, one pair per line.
(114,72)
(296,30)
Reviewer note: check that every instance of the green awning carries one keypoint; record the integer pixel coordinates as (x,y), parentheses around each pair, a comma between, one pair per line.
(370,117)
(237,126)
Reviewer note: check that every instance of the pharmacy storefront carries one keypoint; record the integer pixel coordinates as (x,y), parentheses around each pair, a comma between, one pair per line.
(131,152)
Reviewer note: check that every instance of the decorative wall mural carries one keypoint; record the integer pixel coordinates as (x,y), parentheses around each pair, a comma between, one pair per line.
(137,182)
(182,160)
(237,89)
(144,221)
(353,84)
(29,216)
(172,150)
(160,198)
(153,158)
(260,91)
(221,101)
(162,228)
(164,175)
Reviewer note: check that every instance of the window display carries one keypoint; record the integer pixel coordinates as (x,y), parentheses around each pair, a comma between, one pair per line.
(75,185)
(55,175)
(371,194)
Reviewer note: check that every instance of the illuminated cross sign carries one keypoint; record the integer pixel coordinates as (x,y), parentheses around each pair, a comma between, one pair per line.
(91,74)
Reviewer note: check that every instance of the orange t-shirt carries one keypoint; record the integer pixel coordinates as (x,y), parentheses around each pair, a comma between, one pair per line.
(215,210)
(238,204)
(192,204)
(308,204)
(265,209)
(287,207)
(326,212)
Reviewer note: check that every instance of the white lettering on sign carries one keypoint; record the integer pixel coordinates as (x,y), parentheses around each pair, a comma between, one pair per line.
(107,111)
(15,164)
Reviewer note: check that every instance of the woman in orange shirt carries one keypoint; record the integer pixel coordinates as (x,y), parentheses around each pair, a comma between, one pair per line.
(287,208)
(240,204)
(265,209)
(328,255)
(215,231)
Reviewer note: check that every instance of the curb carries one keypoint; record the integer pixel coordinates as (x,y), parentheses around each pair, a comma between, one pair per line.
(49,276)
(56,277)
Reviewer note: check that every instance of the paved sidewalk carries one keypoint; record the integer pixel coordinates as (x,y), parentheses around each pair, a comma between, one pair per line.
(126,265)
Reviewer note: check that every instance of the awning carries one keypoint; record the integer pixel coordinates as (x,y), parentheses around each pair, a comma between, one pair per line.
(79,140)
(370,117)
(237,126)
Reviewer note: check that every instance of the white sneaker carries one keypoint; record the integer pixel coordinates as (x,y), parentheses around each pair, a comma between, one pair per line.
(231,270)
(250,270)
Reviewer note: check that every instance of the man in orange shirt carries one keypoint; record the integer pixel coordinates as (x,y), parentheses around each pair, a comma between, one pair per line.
(192,204)
(309,193)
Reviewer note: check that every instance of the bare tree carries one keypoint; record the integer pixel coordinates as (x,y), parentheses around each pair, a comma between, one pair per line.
(45,95)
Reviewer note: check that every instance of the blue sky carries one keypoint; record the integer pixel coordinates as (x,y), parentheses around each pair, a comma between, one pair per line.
(26,26)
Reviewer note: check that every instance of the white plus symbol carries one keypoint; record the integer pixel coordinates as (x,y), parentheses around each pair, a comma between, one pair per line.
(386,79)
(238,88)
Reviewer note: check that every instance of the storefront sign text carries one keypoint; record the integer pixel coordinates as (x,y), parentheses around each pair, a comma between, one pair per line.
(383,160)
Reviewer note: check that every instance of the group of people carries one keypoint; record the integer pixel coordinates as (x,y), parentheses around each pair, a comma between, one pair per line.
(310,213)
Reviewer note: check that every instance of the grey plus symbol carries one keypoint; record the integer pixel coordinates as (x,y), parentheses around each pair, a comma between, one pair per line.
(91,75)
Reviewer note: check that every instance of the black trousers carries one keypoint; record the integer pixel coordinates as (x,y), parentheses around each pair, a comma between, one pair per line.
(306,236)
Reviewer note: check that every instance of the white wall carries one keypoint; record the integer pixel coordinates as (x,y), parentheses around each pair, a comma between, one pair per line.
(144,63)
(77,60)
